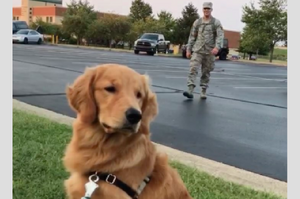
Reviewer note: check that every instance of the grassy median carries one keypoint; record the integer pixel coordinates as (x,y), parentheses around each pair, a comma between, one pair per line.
(38,146)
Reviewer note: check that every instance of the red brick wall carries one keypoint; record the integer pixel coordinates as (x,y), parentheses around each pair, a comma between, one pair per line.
(233,38)
(43,11)
(16,11)
(48,11)
(57,11)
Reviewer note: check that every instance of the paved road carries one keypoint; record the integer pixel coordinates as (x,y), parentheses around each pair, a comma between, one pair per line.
(243,122)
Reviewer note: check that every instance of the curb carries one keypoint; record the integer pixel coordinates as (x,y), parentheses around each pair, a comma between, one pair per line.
(105,49)
(160,55)
(258,62)
(226,172)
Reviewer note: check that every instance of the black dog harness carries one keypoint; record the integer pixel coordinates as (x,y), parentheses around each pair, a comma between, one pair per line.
(113,180)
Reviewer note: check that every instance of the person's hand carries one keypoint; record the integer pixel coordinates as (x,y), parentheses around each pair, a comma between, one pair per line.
(215,51)
(188,54)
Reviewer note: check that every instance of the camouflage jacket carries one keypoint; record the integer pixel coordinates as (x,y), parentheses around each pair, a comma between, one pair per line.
(204,36)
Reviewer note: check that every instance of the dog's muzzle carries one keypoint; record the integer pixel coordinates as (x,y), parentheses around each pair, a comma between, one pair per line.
(133,116)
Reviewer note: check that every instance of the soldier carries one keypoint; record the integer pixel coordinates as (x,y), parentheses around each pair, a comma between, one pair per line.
(205,40)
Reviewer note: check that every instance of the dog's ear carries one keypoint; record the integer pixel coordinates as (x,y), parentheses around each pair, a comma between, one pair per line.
(150,105)
(81,98)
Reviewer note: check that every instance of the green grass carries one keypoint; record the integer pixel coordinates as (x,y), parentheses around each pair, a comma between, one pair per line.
(280,51)
(279,54)
(38,146)
(279,57)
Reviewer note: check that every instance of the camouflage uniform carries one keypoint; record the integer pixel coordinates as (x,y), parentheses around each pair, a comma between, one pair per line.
(201,41)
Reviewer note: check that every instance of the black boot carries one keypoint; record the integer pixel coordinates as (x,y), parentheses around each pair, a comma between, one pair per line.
(189,93)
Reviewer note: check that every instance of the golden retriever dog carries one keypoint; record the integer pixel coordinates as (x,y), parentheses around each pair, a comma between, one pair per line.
(111,139)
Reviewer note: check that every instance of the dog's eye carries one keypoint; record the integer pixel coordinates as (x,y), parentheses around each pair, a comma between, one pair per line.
(138,95)
(110,89)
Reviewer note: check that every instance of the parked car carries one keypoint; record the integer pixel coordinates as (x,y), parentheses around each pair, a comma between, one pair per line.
(28,36)
(19,25)
(235,57)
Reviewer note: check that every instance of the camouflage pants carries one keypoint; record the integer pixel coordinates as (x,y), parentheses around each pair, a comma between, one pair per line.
(207,62)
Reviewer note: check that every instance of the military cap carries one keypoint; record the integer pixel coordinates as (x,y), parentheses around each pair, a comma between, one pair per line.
(207,5)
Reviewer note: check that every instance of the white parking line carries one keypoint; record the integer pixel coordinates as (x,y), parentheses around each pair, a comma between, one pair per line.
(142,69)
(257,78)
(174,77)
(86,63)
(275,74)
(52,58)
(260,87)
(224,78)
(166,71)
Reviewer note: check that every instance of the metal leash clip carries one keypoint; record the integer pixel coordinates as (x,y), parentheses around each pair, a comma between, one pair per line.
(91,186)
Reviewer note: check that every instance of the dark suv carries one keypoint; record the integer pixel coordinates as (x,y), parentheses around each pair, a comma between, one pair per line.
(222,54)
(19,25)
(151,43)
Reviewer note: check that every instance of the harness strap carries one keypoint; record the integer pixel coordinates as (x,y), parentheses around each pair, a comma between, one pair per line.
(113,180)
(212,22)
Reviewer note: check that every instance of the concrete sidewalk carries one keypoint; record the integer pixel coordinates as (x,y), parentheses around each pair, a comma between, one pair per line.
(228,173)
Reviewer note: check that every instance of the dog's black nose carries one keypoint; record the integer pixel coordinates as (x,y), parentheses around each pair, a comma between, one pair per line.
(133,116)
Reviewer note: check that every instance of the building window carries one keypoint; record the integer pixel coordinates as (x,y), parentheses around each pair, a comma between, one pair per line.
(51,19)
(17,18)
(47,19)
(14,18)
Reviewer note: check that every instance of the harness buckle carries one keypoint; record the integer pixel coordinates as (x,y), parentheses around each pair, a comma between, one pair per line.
(109,180)
(136,196)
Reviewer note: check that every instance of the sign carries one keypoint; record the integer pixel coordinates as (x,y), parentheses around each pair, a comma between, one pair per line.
(50,1)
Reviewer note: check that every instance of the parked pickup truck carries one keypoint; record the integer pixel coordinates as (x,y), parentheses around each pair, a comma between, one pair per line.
(151,43)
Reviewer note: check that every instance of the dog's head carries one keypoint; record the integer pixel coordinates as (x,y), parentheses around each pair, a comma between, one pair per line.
(115,96)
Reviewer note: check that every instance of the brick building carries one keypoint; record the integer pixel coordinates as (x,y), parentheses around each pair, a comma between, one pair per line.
(233,38)
(48,10)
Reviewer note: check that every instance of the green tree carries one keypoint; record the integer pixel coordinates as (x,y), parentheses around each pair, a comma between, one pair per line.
(253,42)
(140,10)
(46,28)
(184,24)
(77,19)
(113,27)
(270,21)
(97,32)
(168,22)
(149,25)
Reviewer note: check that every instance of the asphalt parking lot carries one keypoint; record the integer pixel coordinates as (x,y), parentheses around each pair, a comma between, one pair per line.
(242,123)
